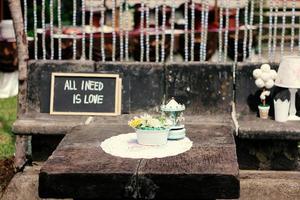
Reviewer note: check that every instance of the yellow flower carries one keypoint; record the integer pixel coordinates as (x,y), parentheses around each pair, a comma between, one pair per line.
(135,122)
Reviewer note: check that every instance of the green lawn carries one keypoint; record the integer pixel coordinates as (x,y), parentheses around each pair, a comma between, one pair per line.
(8,110)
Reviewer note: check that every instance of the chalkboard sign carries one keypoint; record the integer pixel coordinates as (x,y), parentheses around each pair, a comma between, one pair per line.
(85,94)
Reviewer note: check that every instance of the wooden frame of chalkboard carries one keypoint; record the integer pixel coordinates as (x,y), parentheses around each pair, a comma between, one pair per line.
(117,93)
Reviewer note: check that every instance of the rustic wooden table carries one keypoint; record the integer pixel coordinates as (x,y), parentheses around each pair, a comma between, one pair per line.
(80,169)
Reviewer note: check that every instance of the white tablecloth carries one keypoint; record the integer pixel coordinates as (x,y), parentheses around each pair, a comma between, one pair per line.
(126,146)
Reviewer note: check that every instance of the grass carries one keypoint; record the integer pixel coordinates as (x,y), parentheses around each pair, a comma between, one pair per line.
(8,111)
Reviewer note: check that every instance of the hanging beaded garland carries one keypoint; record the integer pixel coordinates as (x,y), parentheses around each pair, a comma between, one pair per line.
(251,28)
(142,31)
(192,30)
(91,33)
(237,28)
(43,30)
(261,2)
(147,34)
(121,30)
(51,30)
(205,29)
(293,25)
(283,28)
(114,30)
(226,31)
(220,34)
(163,41)
(126,31)
(270,32)
(35,30)
(245,32)
(202,30)
(83,29)
(275,31)
(172,32)
(102,33)
(156,35)
(186,37)
(59,27)
(74,25)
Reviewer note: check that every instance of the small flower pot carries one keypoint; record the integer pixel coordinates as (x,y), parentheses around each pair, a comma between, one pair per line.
(264,111)
(152,137)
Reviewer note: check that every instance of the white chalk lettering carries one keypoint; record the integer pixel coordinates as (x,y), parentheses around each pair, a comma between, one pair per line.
(70,85)
(92,85)
(76,99)
(93,99)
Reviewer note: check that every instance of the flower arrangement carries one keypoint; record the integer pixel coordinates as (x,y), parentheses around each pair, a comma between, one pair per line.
(148,122)
(264,78)
(150,130)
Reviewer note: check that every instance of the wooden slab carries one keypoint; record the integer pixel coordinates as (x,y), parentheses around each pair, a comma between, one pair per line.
(208,171)
(80,169)
(252,127)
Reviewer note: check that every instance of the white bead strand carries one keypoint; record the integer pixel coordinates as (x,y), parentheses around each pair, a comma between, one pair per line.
(126,31)
(275,31)
(192,30)
(172,33)
(43,30)
(102,33)
(59,29)
(245,32)
(156,35)
(226,31)
(163,41)
(205,29)
(114,30)
(121,30)
(35,30)
(142,31)
(220,34)
(74,25)
(283,28)
(91,32)
(293,26)
(237,28)
(270,31)
(83,29)
(261,18)
(186,37)
(51,30)
(251,28)
(147,34)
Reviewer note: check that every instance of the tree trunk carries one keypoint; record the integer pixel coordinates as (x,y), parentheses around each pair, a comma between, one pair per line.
(22,46)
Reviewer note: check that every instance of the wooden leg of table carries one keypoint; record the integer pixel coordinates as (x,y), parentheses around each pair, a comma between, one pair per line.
(21,151)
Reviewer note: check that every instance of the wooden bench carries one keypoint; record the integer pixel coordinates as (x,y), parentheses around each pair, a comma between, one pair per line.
(205,89)
(262,144)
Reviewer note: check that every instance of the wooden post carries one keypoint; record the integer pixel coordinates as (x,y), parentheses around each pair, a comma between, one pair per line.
(22,46)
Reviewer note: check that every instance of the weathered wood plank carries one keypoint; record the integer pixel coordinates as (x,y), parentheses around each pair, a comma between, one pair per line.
(252,127)
(43,123)
(80,169)
(208,171)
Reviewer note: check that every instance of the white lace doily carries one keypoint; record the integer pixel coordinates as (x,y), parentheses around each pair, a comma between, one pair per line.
(126,146)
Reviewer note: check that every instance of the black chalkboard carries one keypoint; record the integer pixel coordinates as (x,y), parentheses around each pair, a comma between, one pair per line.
(85,94)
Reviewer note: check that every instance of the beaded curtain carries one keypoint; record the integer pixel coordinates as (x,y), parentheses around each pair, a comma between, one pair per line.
(215,31)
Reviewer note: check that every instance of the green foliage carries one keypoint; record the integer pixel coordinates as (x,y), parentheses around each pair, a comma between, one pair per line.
(8,110)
